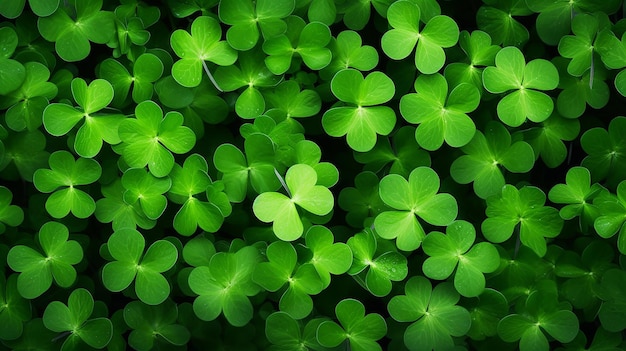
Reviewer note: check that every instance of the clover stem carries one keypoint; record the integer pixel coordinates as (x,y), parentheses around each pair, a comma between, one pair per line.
(62,335)
(592,72)
(208,73)
(282,181)
(518,241)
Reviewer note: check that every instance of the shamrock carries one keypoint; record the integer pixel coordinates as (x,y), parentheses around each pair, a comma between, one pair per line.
(580,46)
(11,215)
(112,208)
(415,196)
(511,72)
(547,139)
(456,249)
(578,92)
(23,153)
(438,33)
(612,215)
(441,116)
(152,323)
(126,247)
(67,173)
(286,97)
(349,52)
(480,52)
(300,183)
(15,309)
(362,201)
(286,333)
(605,150)
(361,120)
(434,314)
(496,18)
(37,270)
(150,138)
(144,188)
(328,257)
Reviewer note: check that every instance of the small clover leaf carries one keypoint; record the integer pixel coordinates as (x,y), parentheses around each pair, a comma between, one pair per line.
(146,70)
(348,52)
(73,319)
(198,251)
(511,72)
(153,323)
(434,314)
(361,330)
(456,249)
(361,202)
(60,118)
(328,257)
(439,32)
(496,18)
(286,333)
(67,173)
(580,46)
(486,154)
(37,270)
(287,98)
(361,120)
(415,196)
(526,208)
(606,151)
(614,306)
(126,247)
(147,190)
(578,92)
(307,40)
(25,153)
(150,138)
(15,309)
(308,152)
(203,44)
(224,286)
(300,181)
(486,311)
(42,8)
(246,17)
(357,14)
(12,72)
(73,28)
(11,215)
(441,116)
(612,215)
(547,138)
(480,52)
(113,209)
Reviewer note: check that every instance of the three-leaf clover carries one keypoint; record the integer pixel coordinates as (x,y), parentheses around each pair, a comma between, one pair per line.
(606,151)
(360,120)
(456,249)
(547,138)
(126,247)
(362,201)
(203,44)
(511,72)
(144,188)
(580,46)
(14,309)
(37,270)
(523,207)
(60,118)
(112,208)
(612,215)
(415,196)
(11,215)
(328,256)
(74,319)
(286,333)
(441,116)
(300,183)
(348,52)
(496,18)
(434,314)
(361,330)
(438,33)
(150,324)
(150,138)
(480,52)
(67,173)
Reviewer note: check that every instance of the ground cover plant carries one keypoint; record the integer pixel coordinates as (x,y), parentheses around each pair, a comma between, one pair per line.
(312,175)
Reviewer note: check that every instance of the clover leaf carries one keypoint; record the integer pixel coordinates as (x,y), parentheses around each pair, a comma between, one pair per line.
(480,52)
(526,208)
(511,72)
(15,309)
(74,320)
(361,120)
(203,44)
(287,98)
(224,286)
(328,256)
(60,118)
(113,209)
(379,271)
(578,92)
(144,188)
(146,69)
(12,72)
(300,183)
(434,314)
(307,40)
(198,251)
(11,215)
(308,152)
(152,323)
(580,46)
(66,173)
(441,116)
(605,150)
(602,340)
(361,330)
(246,17)
(37,270)
(486,154)
(361,202)
(41,8)
(150,138)
(486,311)
(286,333)
(547,138)
(23,153)
(456,249)
(349,52)
(282,268)
(357,14)
(129,264)
(72,28)
(614,305)
(415,196)
(612,215)
(496,18)
(438,33)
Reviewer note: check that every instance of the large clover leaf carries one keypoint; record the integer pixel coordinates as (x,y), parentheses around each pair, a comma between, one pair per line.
(438,33)
(126,247)
(526,79)
(416,196)
(456,249)
(300,182)
(37,270)
(203,44)
(150,138)
(67,173)
(361,120)
(526,208)
(441,116)
(434,314)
